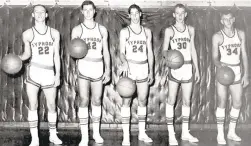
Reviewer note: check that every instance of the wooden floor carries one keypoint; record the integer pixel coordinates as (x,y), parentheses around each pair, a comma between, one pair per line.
(21,137)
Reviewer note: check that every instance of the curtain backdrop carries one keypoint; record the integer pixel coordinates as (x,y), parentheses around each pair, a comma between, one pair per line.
(13,97)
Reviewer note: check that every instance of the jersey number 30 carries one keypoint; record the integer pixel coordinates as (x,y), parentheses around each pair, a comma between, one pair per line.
(43,50)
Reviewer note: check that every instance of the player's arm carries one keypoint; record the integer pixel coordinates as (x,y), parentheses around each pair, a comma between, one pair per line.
(244,58)
(106,54)
(167,37)
(150,56)
(122,45)
(56,37)
(76,32)
(193,50)
(27,38)
(216,41)
(168,34)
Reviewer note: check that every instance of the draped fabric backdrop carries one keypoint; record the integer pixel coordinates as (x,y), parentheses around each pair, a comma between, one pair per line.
(13,97)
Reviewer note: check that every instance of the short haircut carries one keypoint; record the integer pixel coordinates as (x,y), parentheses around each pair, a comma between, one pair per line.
(39,5)
(179,6)
(135,7)
(88,2)
(226,12)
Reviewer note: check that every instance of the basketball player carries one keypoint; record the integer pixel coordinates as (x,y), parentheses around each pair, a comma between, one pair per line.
(137,63)
(228,49)
(91,76)
(42,47)
(181,37)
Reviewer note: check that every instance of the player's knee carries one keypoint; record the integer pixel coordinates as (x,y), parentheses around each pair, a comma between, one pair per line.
(142,102)
(96,102)
(84,102)
(171,100)
(51,107)
(237,104)
(186,102)
(33,107)
(126,102)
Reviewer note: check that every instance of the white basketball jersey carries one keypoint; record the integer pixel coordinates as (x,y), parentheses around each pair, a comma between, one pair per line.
(93,39)
(230,48)
(136,45)
(42,47)
(181,41)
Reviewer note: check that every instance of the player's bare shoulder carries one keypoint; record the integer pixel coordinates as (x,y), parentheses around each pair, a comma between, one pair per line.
(77,30)
(190,29)
(124,32)
(241,33)
(28,35)
(169,31)
(55,33)
(103,30)
(218,37)
(148,31)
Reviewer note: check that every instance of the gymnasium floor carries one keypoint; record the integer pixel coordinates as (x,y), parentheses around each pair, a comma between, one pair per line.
(21,137)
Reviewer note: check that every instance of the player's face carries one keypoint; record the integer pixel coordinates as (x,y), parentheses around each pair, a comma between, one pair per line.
(227,20)
(135,16)
(88,12)
(179,14)
(39,14)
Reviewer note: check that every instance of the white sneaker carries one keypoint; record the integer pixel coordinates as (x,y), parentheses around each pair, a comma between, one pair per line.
(233,136)
(126,141)
(54,139)
(98,139)
(83,143)
(144,137)
(189,137)
(34,142)
(172,139)
(221,140)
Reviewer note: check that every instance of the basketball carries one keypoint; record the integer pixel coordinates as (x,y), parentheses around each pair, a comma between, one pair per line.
(126,87)
(173,58)
(78,48)
(225,75)
(11,64)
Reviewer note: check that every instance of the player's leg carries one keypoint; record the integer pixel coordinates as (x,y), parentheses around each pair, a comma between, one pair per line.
(220,111)
(172,93)
(96,94)
(84,88)
(50,94)
(32,92)
(125,114)
(142,91)
(186,98)
(236,93)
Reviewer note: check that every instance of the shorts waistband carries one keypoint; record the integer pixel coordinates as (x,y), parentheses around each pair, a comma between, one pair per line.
(93,59)
(188,62)
(238,64)
(137,62)
(42,66)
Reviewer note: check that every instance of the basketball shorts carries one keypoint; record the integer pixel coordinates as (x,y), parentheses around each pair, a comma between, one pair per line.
(184,74)
(40,76)
(237,72)
(91,69)
(138,70)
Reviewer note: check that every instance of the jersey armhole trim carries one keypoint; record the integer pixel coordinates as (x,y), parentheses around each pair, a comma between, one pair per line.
(81,31)
(33,34)
(52,35)
(222,38)
(145,32)
(128,33)
(100,30)
(238,35)
(173,33)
